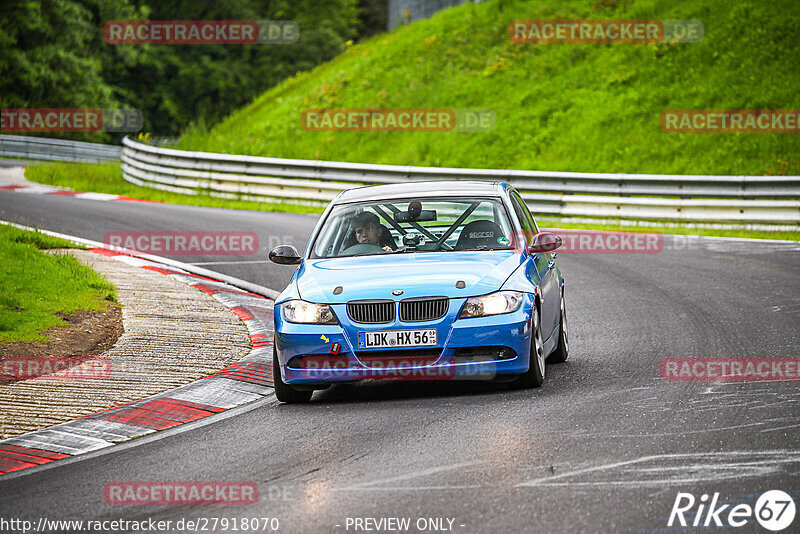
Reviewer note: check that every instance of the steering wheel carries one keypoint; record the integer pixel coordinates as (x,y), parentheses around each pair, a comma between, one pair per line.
(361,248)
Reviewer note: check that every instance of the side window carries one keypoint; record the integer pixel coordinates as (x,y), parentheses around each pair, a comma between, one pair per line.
(528,212)
(524,217)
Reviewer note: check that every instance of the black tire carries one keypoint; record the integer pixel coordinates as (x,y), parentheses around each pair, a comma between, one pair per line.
(284,392)
(534,376)
(561,353)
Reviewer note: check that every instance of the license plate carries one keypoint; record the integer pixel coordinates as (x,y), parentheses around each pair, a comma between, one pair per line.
(397,338)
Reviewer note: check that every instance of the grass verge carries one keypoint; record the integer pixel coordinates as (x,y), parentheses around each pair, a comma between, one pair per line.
(37,288)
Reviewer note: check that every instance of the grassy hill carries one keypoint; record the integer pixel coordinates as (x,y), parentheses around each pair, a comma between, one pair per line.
(572,107)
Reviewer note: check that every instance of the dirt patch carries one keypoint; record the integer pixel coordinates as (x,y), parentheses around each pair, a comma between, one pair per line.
(85,335)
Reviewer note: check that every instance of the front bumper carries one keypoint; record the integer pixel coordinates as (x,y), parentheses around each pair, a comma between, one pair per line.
(308,347)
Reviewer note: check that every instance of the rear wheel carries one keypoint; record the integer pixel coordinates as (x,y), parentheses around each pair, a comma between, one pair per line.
(534,376)
(562,350)
(285,392)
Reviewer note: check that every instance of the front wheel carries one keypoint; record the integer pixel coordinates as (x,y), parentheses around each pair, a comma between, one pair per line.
(285,392)
(534,376)
(562,350)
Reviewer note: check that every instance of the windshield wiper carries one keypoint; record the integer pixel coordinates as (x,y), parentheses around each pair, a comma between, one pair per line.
(479,247)
(407,251)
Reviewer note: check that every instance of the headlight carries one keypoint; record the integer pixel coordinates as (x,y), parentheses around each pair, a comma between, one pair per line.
(492,304)
(300,311)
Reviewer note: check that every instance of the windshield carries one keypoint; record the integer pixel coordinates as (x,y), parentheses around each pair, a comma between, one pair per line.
(411,226)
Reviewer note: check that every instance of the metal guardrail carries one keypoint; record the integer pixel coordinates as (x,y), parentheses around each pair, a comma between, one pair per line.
(41,148)
(728,199)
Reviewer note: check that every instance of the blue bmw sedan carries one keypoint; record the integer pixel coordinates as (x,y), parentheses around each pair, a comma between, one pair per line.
(447,280)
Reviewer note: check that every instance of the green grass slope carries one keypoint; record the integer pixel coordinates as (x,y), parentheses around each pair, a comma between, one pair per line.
(572,107)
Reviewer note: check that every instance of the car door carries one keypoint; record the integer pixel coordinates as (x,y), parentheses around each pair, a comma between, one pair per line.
(544,263)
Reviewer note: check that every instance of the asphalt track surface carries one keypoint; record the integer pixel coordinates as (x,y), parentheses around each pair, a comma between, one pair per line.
(604,446)
(12,163)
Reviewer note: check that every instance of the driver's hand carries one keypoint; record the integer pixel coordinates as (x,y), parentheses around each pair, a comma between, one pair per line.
(387,248)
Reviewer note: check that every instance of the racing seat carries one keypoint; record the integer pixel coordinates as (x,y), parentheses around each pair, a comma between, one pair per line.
(481,232)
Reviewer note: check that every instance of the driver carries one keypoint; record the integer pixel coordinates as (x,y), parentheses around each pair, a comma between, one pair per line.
(368,229)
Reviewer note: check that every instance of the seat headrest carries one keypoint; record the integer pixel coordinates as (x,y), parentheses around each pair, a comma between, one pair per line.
(481,232)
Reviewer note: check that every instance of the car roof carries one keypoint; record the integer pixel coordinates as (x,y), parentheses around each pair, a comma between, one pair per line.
(441,188)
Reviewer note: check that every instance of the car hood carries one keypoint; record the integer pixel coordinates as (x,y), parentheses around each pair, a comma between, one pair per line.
(417,275)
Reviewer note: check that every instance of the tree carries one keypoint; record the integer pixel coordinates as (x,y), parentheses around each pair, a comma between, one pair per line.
(55,56)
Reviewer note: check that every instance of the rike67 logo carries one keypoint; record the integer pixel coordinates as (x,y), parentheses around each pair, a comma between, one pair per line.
(774,510)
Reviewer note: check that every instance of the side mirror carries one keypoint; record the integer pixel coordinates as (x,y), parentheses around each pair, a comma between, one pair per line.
(544,242)
(285,255)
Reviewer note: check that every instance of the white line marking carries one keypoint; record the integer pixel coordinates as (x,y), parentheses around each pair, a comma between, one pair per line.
(415,474)
(668,434)
(780,428)
(96,196)
(539,481)
(780,456)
